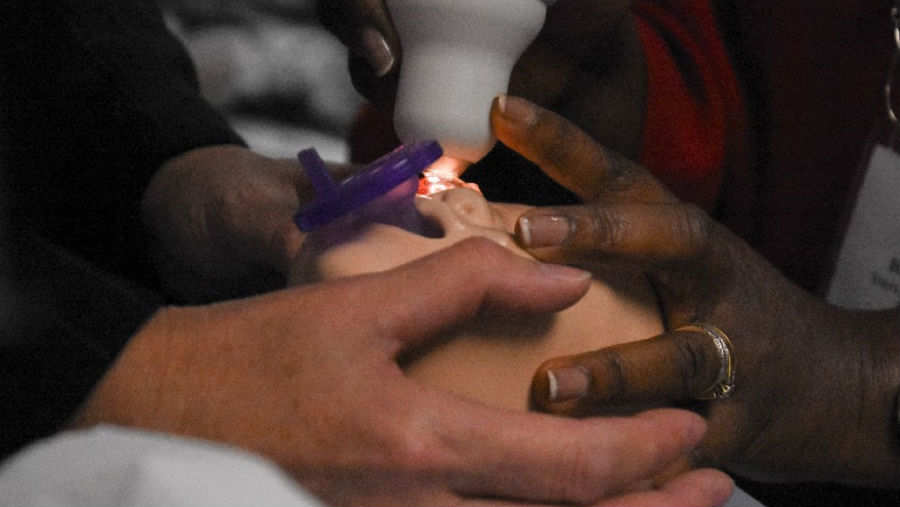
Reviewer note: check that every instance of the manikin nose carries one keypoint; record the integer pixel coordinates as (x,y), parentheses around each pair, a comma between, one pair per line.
(470,206)
(463,212)
(459,209)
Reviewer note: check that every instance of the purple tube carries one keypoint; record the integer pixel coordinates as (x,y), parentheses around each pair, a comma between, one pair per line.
(336,199)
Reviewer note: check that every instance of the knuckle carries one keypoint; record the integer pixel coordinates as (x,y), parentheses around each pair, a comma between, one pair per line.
(690,362)
(695,364)
(482,252)
(414,449)
(621,172)
(555,138)
(609,377)
(600,229)
(695,228)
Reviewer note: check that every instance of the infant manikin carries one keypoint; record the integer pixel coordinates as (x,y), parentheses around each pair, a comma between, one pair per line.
(489,360)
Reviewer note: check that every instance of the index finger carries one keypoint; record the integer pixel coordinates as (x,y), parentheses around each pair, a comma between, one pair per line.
(648,234)
(569,156)
(675,366)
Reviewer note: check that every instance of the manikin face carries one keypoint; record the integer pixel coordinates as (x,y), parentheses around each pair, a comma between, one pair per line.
(454,214)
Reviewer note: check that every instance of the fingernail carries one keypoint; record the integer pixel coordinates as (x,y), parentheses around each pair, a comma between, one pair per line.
(543,230)
(567,384)
(377,51)
(562,272)
(501,103)
(516,109)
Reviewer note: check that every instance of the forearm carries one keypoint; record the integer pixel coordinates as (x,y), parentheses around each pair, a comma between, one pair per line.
(870,453)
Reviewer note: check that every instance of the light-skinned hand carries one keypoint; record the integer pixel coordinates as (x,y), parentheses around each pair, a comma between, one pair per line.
(308,377)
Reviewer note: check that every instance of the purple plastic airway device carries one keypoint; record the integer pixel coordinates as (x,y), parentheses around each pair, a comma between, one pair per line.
(336,199)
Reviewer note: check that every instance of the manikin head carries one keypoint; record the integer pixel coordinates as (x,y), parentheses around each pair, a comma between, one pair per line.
(350,248)
(489,360)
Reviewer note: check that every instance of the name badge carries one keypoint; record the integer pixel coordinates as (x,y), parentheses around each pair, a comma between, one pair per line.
(867,273)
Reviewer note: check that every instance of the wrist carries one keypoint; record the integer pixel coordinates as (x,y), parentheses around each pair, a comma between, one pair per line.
(831,399)
(129,392)
(870,454)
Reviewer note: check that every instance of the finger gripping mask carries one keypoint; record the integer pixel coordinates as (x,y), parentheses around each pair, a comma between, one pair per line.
(387,183)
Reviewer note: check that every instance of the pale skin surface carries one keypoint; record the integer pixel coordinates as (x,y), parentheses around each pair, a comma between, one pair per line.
(491,360)
(308,377)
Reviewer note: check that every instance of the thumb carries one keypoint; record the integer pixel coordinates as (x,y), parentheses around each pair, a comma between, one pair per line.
(472,276)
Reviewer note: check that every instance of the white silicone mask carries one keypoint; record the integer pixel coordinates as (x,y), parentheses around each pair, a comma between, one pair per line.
(458,56)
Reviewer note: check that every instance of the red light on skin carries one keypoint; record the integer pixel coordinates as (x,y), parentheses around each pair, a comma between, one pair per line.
(442,175)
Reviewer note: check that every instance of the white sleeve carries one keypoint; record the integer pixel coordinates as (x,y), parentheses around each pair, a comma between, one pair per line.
(128,468)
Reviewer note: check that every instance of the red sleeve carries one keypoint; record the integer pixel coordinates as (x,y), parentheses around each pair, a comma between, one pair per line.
(695,122)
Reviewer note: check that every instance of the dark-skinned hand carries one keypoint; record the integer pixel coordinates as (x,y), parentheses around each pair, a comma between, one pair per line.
(815,384)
